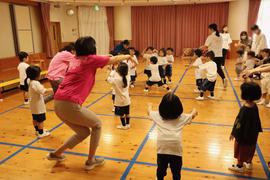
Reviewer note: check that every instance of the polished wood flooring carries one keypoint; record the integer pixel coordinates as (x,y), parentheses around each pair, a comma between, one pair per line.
(131,154)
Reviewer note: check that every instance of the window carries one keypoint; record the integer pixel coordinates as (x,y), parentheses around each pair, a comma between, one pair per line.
(263,19)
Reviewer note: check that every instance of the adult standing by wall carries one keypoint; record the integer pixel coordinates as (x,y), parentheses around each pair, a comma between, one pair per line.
(71,94)
(244,41)
(122,45)
(226,41)
(214,43)
(259,42)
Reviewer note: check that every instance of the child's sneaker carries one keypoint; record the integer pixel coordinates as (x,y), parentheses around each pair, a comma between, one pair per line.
(128,126)
(51,156)
(268,105)
(145,90)
(211,97)
(200,98)
(113,109)
(92,164)
(237,79)
(169,90)
(44,134)
(26,102)
(122,127)
(196,91)
(236,168)
(248,166)
(132,86)
(261,102)
(169,82)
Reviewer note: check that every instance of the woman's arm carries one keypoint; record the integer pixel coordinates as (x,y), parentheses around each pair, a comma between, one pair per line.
(117,59)
(259,69)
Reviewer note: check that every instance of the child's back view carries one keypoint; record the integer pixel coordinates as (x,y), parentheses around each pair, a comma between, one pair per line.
(170,121)
(23,57)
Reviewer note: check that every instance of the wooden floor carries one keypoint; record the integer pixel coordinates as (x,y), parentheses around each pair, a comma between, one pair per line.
(131,154)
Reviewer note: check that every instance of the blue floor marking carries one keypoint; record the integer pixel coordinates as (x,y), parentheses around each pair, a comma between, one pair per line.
(266,170)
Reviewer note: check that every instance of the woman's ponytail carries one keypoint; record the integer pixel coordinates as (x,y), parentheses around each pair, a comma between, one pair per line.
(214,27)
(123,71)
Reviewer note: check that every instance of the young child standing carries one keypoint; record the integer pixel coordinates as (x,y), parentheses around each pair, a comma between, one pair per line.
(170,59)
(208,84)
(170,121)
(239,64)
(133,63)
(37,105)
(120,82)
(23,57)
(250,63)
(162,62)
(155,78)
(246,128)
(198,71)
(147,54)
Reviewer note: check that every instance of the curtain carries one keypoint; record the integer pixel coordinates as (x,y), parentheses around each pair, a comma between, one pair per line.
(180,26)
(110,21)
(94,23)
(47,41)
(253,11)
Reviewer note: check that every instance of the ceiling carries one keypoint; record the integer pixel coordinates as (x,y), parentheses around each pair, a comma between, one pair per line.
(129,2)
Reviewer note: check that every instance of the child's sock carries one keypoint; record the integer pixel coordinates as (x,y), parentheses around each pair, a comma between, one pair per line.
(239,166)
(212,93)
(201,94)
(127,120)
(40,131)
(123,121)
(167,88)
(146,88)
(36,128)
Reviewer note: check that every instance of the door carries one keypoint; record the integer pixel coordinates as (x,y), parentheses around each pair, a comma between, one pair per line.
(56,36)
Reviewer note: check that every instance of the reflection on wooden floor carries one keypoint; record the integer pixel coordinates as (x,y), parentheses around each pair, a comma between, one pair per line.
(131,154)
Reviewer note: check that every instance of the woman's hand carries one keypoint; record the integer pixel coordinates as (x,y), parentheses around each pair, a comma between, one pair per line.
(231,138)
(194,113)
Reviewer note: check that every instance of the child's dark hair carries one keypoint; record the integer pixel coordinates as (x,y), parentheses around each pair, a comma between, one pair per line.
(149,47)
(243,33)
(251,53)
(214,27)
(266,50)
(250,91)
(126,42)
(198,52)
(222,29)
(211,55)
(85,46)
(170,107)
(123,71)
(22,55)
(254,27)
(240,52)
(163,50)
(169,49)
(70,47)
(154,59)
(114,53)
(32,73)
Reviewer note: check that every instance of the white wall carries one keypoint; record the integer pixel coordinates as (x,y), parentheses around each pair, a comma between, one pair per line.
(68,24)
(36,28)
(238,18)
(122,23)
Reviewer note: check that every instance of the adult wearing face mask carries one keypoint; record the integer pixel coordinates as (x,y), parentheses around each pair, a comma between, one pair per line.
(244,41)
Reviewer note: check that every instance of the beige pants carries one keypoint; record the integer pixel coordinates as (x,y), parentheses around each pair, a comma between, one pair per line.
(80,120)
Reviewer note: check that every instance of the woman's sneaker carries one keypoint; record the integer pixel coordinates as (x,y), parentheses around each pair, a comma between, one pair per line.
(248,166)
(44,134)
(122,127)
(92,164)
(236,168)
(128,126)
(51,156)
(211,97)
(200,98)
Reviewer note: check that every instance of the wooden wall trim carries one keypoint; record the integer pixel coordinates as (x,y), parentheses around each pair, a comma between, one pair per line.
(22,2)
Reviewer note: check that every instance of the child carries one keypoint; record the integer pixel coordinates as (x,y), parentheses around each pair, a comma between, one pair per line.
(265,81)
(112,72)
(239,64)
(133,62)
(211,76)
(148,53)
(23,57)
(37,105)
(250,63)
(162,62)
(120,82)
(246,127)
(155,78)
(170,121)
(247,49)
(170,59)
(198,71)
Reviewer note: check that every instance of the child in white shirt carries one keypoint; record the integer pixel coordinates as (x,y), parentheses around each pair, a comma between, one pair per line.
(162,62)
(155,78)
(250,63)
(198,71)
(37,105)
(170,59)
(133,62)
(120,82)
(239,64)
(170,121)
(147,54)
(23,57)
(208,84)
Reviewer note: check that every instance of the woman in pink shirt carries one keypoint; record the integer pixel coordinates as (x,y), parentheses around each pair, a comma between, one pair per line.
(72,92)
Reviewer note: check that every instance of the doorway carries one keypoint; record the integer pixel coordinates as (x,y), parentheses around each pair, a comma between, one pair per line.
(56,36)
